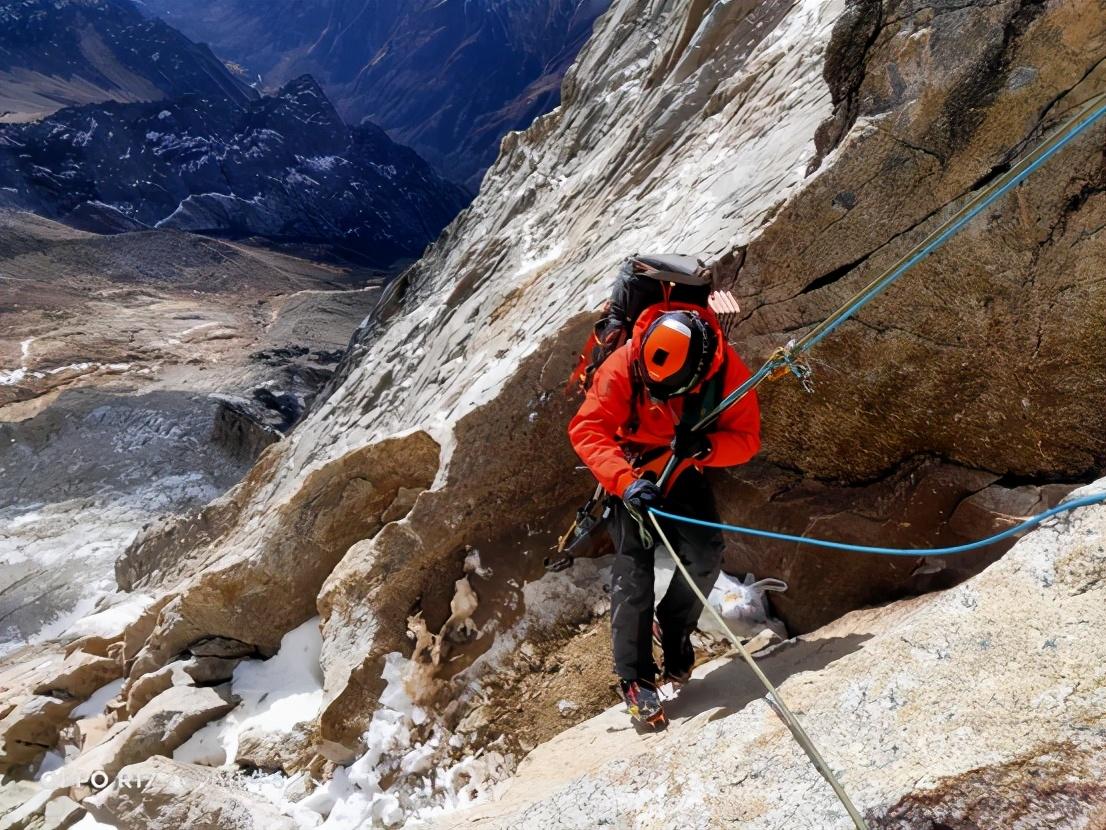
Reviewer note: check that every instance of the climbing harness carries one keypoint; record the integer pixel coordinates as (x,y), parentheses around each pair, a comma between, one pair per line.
(1031,522)
(789,360)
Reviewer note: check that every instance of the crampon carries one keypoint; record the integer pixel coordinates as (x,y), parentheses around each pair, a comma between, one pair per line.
(644,704)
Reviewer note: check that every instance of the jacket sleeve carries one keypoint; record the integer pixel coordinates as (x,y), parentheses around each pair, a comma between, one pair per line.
(594,428)
(736,438)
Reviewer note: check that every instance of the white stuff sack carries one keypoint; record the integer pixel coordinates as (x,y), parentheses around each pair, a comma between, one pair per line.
(743,605)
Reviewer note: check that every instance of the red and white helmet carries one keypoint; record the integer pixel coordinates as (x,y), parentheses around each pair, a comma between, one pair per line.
(676,353)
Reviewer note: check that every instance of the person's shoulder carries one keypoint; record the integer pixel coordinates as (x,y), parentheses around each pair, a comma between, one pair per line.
(613,374)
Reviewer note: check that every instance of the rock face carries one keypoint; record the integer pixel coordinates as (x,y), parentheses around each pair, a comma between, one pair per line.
(695,135)
(922,503)
(272,574)
(446,78)
(883,694)
(284,167)
(56,54)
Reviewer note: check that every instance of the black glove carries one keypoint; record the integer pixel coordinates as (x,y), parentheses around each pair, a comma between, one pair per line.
(641,495)
(690,443)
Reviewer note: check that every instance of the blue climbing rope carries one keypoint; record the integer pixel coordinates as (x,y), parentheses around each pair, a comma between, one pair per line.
(1098,498)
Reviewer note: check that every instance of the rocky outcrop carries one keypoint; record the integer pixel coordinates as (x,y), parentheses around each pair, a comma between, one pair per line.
(162,725)
(40,692)
(884,695)
(56,54)
(197,670)
(921,503)
(253,588)
(284,167)
(30,727)
(384,60)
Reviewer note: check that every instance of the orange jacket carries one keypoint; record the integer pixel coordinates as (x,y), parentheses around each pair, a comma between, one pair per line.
(598,430)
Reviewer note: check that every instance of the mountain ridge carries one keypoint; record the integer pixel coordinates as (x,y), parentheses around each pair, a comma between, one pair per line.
(448,78)
(58,53)
(282,166)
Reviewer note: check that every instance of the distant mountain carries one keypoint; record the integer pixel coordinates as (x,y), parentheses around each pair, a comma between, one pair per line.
(446,77)
(57,53)
(284,167)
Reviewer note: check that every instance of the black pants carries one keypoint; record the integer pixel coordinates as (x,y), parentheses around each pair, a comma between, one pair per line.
(699,548)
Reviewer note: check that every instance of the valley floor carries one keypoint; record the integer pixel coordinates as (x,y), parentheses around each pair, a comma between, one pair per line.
(140,376)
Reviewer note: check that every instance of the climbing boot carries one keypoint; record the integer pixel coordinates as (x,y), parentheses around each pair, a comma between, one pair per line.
(644,704)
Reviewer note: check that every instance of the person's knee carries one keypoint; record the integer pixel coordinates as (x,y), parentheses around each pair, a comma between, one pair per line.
(633,582)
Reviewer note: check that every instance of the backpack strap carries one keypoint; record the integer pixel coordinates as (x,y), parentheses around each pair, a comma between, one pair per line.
(637,397)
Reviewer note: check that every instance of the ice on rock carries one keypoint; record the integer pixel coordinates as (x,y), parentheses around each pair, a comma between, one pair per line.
(473,565)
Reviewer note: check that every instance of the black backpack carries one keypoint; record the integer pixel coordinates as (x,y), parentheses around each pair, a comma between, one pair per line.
(642,281)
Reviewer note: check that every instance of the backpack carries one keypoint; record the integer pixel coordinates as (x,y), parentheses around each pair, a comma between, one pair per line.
(642,281)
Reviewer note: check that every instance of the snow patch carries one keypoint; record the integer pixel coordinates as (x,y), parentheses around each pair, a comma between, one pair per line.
(414,768)
(111,620)
(321,164)
(12,377)
(276,695)
(89,823)
(400,752)
(98,700)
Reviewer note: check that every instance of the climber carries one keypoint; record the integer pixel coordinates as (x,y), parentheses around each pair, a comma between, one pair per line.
(639,408)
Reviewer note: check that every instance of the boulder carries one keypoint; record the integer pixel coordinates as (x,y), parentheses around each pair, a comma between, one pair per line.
(80,675)
(30,728)
(266,749)
(165,793)
(61,813)
(14,796)
(202,670)
(158,728)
